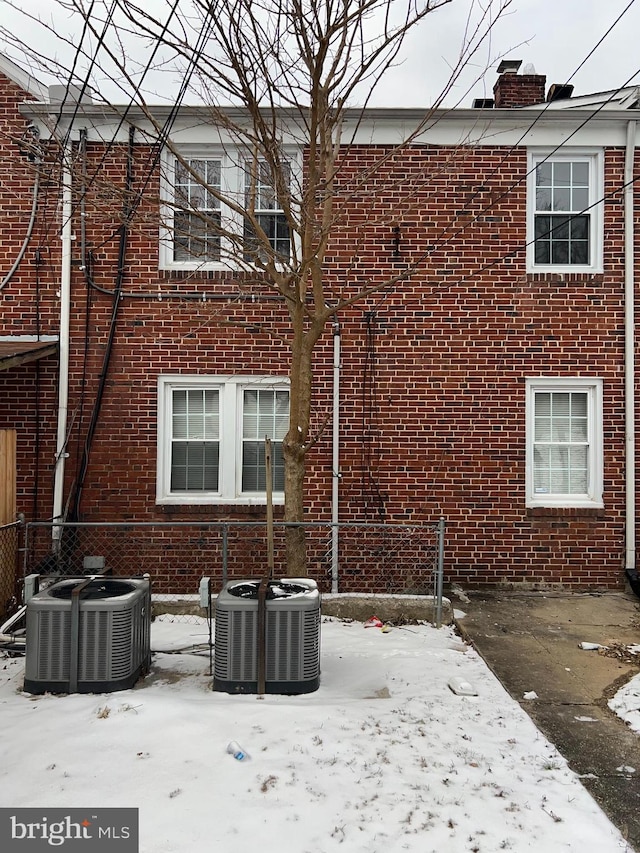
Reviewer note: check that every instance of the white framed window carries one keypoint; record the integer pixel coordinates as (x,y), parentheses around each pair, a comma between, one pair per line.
(211,433)
(261,193)
(204,191)
(564,457)
(564,211)
(196,213)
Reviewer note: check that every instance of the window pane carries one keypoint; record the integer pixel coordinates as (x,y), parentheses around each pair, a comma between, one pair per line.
(579,404)
(560,404)
(579,199)
(261,196)
(543,175)
(578,473)
(266,414)
(562,174)
(560,252)
(543,403)
(561,446)
(580,174)
(195,440)
(580,252)
(560,429)
(543,227)
(196,414)
(194,466)
(580,228)
(196,217)
(541,470)
(559,470)
(562,199)
(543,199)
(254,467)
(543,253)
(196,236)
(560,228)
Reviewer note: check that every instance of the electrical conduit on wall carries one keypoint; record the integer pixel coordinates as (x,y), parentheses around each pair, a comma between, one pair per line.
(630,397)
(63,381)
(335,464)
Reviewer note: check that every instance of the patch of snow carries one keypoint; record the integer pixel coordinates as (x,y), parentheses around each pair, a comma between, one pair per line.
(626,703)
(383,756)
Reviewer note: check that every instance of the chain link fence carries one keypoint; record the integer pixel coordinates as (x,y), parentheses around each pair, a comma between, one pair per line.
(348,557)
(9,544)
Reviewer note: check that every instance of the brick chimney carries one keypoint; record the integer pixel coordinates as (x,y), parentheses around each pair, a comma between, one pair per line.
(518,90)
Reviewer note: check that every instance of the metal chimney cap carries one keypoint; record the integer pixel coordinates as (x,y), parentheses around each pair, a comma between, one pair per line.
(509,66)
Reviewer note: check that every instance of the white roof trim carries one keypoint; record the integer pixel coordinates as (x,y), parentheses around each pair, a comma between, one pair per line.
(22,78)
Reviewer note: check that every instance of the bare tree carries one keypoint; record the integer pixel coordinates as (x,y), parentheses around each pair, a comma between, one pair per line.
(293,75)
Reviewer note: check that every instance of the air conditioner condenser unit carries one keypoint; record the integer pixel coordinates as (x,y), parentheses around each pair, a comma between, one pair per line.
(292,642)
(94,641)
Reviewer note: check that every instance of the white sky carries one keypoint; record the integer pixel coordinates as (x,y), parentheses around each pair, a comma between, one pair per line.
(556,36)
(382,757)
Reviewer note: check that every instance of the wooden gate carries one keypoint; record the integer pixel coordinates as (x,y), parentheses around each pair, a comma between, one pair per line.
(8,526)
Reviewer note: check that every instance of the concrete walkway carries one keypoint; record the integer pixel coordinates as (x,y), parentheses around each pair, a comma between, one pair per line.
(531,642)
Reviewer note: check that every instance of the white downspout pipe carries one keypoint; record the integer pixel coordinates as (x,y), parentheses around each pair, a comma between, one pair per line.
(63,380)
(335,461)
(629,345)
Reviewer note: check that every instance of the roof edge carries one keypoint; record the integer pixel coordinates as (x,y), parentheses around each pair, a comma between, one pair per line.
(22,78)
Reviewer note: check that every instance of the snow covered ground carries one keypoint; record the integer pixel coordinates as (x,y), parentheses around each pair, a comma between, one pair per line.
(384,756)
(626,702)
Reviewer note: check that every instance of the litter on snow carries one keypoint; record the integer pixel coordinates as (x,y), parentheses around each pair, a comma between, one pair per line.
(462,687)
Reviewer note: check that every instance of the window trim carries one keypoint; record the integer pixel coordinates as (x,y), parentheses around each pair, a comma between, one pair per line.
(232,184)
(231,389)
(595,158)
(593,498)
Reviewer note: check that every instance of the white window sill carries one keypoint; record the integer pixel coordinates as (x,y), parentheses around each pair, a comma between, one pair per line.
(550,503)
(205,266)
(200,500)
(566,269)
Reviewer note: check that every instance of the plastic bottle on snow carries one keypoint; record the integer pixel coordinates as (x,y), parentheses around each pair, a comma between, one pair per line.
(236,750)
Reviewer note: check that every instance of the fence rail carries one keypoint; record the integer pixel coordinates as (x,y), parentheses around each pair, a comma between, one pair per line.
(345,557)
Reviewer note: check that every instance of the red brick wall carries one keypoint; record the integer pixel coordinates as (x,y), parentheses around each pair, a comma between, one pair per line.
(433,367)
(28,306)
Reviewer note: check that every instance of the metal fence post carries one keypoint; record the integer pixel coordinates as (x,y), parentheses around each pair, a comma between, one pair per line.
(440,573)
(225,552)
(334,558)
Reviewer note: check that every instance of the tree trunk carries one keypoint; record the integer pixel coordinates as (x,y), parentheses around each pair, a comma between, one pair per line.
(296,442)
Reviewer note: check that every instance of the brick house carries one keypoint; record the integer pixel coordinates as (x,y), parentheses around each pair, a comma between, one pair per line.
(492,386)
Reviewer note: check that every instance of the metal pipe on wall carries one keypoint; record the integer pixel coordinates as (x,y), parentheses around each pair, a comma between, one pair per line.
(63,376)
(630,345)
(335,462)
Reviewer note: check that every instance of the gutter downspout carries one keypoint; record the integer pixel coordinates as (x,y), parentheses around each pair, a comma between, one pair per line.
(335,462)
(629,345)
(63,380)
